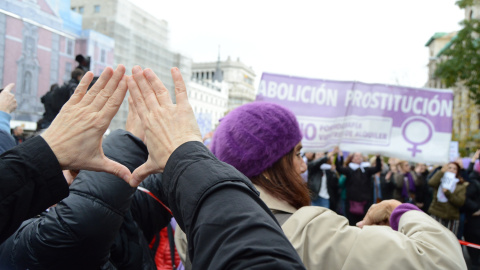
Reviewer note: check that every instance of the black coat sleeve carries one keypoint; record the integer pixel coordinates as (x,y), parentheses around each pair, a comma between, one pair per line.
(373,170)
(226,223)
(340,168)
(31,181)
(79,231)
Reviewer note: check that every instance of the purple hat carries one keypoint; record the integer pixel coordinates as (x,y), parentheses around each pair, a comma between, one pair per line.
(254,136)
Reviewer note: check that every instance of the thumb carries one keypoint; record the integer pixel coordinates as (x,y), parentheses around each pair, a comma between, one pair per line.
(116,169)
(8,88)
(141,173)
(360,224)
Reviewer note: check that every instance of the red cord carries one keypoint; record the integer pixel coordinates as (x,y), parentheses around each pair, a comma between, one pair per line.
(468,244)
(153,196)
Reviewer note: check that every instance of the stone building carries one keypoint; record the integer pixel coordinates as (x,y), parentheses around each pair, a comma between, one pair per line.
(38,43)
(238,77)
(466,125)
(140,39)
(209,102)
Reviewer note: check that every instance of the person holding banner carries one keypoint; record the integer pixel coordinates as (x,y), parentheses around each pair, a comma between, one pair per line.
(359,184)
(263,141)
(450,195)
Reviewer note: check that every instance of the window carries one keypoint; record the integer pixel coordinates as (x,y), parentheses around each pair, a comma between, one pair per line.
(68,70)
(102,56)
(74,9)
(69,47)
(81,10)
(96,8)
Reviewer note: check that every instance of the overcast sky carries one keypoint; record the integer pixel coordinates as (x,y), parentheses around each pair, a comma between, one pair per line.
(373,41)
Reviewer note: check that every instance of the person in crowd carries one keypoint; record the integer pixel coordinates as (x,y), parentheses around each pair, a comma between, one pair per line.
(18,135)
(343,195)
(251,139)
(377,179)
(472,209)
(449,195)
(61,94)
(358,183)
(83,121)
(221,203)
(463,172)
(423,195)
(323,181)
(32,177)
(387,182)
(80,233)
(49,114)
(8,104)
(406,183)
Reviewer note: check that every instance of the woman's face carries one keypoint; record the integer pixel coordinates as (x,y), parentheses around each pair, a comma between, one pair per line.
(298,162)
(452,168)
(357,158)
(405,167)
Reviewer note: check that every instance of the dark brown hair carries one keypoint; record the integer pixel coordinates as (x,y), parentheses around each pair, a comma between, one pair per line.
(283,182)
(457,175)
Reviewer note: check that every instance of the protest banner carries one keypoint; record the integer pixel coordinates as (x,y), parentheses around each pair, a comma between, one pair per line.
(404,122)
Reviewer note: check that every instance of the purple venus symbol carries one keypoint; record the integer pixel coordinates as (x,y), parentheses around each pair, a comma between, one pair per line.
(419,123)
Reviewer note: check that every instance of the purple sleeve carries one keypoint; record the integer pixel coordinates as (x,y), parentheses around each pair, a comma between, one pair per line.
(398,212)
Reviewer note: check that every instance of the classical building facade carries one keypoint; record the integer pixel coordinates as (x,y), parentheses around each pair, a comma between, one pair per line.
(140,39)
(465,126)
(38,43)
(209,101)
(238,77)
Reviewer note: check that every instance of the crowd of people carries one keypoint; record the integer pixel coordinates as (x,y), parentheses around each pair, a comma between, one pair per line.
(241,203)
(449,193)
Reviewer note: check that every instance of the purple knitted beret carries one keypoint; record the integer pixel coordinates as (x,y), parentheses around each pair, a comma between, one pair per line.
(254,136)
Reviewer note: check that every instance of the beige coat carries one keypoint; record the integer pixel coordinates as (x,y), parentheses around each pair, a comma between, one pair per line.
(324,240)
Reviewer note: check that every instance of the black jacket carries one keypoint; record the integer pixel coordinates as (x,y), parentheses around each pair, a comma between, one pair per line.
(6,141)
(472,198)
(93,227)
(359,184)
(48,104)
(62,94)
(387,186)
(315,175)
(31,180)
(227,224)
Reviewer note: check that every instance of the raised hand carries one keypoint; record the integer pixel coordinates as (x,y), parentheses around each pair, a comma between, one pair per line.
(379,214)
(8,103)
(166,125)
(75,135)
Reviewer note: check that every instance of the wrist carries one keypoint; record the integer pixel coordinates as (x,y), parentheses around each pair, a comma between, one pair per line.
(55,145)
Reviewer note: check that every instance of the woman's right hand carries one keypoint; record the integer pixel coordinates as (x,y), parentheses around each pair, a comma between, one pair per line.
(379,214)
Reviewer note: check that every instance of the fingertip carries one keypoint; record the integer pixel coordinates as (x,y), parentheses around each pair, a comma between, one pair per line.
(120,67)
(136,69)
(148,73)
(107,71)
